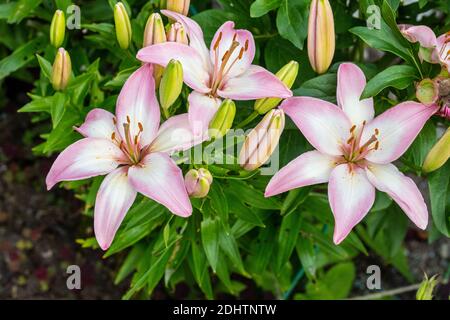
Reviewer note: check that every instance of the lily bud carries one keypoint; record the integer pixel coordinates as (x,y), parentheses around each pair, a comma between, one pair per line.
(57,29)
(171,84)
(287,75)
(321,37)
(223,119)
(198,182)
(177,34)
(426,288)
(180,6)
(154,30)
(427,92)
(439,154)
(123,26)
(262,140)
(62,69)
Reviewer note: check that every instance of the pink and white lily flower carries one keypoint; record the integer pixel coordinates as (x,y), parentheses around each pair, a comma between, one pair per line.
(133,150)
(354,152)
(224,71)
(436,49)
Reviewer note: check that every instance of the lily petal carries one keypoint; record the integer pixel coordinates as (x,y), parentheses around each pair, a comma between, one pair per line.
(195,35)
(351,82)
(324,124)
(84,159)
(397,127)
(255,83)
(202,109)
(175,135)
(387,178)
(308,169)
(114,199)
(194,74)
(422,34)
(442,51)
(351,196)
(99,123)
(137,105)
(242,55)
(160,179)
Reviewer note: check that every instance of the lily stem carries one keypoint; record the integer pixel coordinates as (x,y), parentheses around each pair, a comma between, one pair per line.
(249,119)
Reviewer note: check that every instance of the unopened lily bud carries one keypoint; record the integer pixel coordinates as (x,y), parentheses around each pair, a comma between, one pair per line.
(171,84)
(425,291)
(57,29)
(154,30)
(321,36)
(198,182)
(123,26)
(262,140)
(180,6)
(223,119)
(177,34)
(427,92)
(287,75)
(439,154)
(62,69)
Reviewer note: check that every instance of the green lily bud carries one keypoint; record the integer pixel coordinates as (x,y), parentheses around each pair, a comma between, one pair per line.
(198,182)
(287,75)
(180,6)
(154,30)
(171,84)
(177,34)
(427,92)
(57,29)
(62,69)
(439,154)
(123,26)
(426,288)
(223,120)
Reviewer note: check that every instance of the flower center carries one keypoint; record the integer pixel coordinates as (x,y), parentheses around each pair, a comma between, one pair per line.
(130,146)
(223,64)
(354,151)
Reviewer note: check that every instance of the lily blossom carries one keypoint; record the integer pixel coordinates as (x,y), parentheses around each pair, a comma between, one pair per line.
(224,71)
(437,49)
(133,150)
(354,152)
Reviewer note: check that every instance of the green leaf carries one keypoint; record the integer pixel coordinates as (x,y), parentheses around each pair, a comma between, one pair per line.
(46,66)
(229,246)
(153,275)
(384,39)
(20,57)
(262,250)
(130,262)
(119,80)
(322,87)
(307,255)
(399,77)
(438,183)
(251,196)
(22,9)
(292,21)
(210,238)
(58,108)
(294,199)
(6,10)
(38,104)
(261,7)
(287,238)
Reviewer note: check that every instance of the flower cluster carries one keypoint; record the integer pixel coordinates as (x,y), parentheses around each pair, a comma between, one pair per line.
(354,149)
